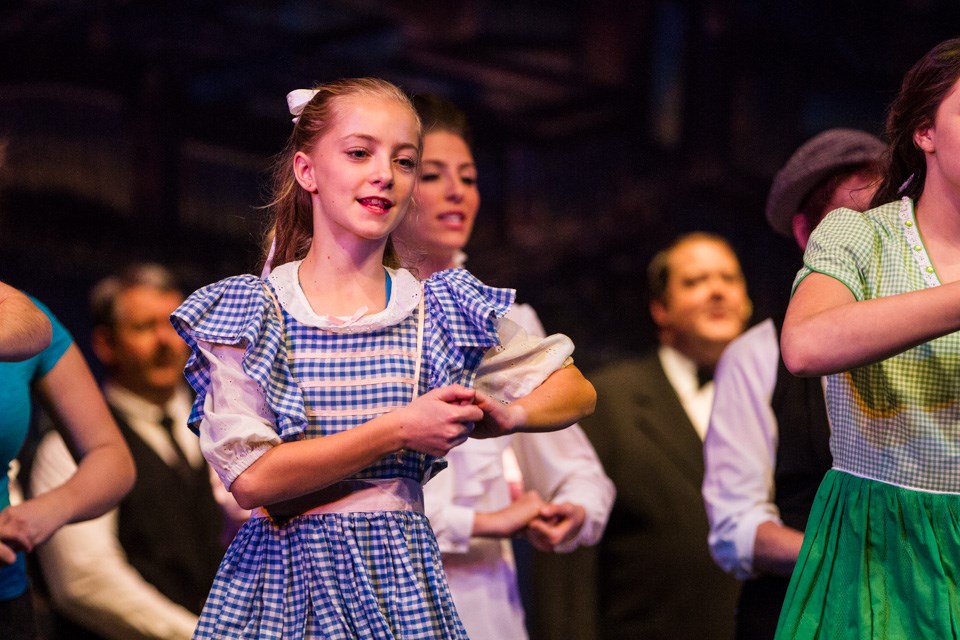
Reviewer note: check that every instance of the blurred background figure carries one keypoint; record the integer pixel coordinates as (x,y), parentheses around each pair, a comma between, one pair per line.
(768,446)
(144,569)
(651,576)
(565,497)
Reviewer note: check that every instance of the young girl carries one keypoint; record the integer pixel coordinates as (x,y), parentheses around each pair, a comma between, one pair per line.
(469,505)
(876,306)
(327,390)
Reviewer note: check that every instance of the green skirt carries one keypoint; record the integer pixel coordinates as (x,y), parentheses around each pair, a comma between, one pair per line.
(878,561)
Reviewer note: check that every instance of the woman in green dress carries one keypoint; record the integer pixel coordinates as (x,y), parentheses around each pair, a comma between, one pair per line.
(877,307)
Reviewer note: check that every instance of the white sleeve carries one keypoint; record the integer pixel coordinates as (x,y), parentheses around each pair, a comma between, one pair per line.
(452,523)
(238,426)
(740,449)
(563,467)
(521,362)
(87,572)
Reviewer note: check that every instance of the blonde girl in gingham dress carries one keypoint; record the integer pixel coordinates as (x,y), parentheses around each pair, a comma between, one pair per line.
(327,391)
(877,305)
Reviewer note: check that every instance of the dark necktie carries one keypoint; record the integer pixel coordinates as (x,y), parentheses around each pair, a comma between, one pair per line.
(703,377)
(182,465)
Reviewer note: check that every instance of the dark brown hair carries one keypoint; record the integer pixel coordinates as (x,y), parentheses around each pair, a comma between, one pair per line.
(923,89)
(439,114)
(814,204)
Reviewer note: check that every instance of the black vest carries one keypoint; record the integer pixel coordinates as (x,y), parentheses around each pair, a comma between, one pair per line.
(170,526)
(803,457)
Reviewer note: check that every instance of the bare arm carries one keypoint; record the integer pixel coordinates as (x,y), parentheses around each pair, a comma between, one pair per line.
(562,399)
(433,423)
(826,330)
(104,475)
(24,329)
(510,520)
(776,549)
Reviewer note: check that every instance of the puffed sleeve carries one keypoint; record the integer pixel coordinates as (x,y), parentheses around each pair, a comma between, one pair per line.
(462,317)
(239,312)
(842,246)
(237,426)
(521,361)
(473,344)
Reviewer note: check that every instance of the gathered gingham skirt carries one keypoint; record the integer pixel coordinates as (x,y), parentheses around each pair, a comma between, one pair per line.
(367,575)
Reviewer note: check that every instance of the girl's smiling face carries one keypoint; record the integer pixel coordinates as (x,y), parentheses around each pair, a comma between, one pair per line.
(446,198)
(362,171)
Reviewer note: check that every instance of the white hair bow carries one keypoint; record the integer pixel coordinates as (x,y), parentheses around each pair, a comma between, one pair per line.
(297,100)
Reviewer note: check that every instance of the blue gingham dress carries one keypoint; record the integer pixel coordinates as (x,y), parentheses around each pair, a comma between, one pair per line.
(374,575)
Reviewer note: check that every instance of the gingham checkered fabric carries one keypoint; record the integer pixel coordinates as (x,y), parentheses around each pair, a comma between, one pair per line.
(353,575)
(897,421)
(235,311)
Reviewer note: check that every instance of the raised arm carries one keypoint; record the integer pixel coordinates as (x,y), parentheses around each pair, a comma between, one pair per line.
(563,398)
(24,330)
(433,423)
(827,331)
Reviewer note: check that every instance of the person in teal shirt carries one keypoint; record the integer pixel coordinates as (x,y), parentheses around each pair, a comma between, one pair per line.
(61,380)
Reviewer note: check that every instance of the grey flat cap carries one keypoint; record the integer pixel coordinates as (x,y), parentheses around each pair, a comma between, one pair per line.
(816,159)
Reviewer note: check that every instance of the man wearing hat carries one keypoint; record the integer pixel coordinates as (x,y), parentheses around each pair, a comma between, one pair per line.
(767,445)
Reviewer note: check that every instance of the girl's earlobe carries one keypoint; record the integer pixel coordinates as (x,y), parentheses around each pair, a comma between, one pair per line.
(303,172)
(923,139)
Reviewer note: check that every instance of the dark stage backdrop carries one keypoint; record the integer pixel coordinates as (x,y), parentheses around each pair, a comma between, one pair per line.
(143,131)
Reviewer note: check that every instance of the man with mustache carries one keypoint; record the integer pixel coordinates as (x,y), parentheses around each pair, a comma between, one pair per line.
(144,569)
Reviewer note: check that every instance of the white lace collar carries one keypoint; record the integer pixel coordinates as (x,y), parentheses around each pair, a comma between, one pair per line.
(908,223)
(404,296)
